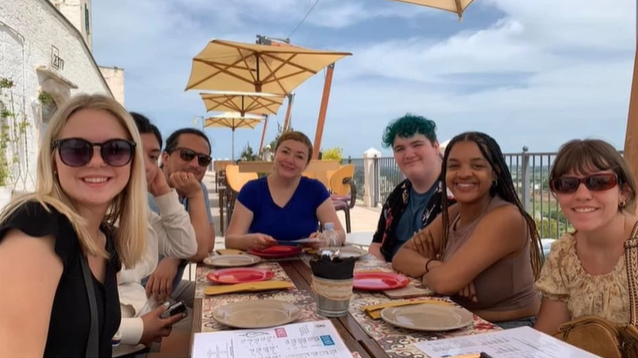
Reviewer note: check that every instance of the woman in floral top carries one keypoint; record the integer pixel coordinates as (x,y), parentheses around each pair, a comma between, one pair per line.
(585,272)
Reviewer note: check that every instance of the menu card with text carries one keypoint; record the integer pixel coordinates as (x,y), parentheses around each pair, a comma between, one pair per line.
(297,340)
(523,342)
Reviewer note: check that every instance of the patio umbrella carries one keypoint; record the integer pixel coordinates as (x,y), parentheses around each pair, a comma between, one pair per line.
(233,120)
(257,103)
(455,6)
(631,132)
(245,67)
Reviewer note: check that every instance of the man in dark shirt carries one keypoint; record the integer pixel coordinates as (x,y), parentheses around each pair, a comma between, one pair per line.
(416,201)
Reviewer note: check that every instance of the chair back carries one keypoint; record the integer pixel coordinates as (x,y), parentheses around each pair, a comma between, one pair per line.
(235,179)
(338,184)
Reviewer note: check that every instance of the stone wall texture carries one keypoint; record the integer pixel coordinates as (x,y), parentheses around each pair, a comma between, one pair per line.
(32,34)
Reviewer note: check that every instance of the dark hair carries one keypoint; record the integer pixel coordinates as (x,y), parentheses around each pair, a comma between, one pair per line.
(583,156)
(406,127)
(296,136)
(144,126)
(173,139)
(504,188)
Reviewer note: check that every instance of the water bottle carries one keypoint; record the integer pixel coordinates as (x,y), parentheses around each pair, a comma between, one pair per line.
(329,237)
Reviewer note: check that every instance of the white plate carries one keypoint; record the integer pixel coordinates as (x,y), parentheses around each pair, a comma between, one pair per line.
(428,317)
(250,314)
(231,260)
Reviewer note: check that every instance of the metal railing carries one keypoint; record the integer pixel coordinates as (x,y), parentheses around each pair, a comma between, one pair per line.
(529,171)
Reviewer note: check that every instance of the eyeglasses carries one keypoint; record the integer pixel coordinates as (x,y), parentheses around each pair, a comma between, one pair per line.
(595,182)
(77,152)
(188,155)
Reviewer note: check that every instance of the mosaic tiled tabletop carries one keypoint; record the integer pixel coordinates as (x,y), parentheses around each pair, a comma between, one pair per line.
(397,342)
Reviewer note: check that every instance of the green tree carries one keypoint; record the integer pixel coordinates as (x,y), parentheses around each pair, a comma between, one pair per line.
(248,154)
(551,228)
(335,153)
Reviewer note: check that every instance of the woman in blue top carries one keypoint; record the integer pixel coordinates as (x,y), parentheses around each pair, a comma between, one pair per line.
(284,205)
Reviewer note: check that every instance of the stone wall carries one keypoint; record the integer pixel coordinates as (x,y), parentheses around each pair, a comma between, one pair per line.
(41,50)
(114,76)
(78,12)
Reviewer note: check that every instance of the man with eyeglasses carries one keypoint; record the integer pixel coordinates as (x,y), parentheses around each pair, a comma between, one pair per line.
(187,155)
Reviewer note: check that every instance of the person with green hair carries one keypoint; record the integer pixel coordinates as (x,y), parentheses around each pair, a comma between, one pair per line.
(417,200)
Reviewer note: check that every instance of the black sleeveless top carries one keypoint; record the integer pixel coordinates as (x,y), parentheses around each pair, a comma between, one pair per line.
(70,315)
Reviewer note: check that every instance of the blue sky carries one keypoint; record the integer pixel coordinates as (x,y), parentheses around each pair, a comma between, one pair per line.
(534,73)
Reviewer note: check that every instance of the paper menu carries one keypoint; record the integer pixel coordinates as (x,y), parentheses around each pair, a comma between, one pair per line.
(523,342)
(298,340)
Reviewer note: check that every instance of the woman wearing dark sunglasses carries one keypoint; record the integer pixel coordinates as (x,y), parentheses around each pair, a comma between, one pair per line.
(585,272)
(59,253)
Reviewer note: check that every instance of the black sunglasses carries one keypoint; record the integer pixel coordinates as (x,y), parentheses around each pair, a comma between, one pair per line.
(188,155)
(594,182)
(77,152)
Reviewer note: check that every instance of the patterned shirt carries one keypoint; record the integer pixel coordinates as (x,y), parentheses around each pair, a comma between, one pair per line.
(393,209)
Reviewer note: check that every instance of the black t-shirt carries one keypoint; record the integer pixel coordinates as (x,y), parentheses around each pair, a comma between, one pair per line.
(70,315)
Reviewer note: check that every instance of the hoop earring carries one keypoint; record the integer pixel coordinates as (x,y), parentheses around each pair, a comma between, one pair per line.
(622,204)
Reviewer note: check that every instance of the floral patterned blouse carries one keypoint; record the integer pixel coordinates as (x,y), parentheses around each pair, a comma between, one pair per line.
(563,278)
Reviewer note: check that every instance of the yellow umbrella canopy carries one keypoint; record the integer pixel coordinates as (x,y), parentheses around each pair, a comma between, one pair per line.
(233,120)
(258,103)
(455,6)
(244,67)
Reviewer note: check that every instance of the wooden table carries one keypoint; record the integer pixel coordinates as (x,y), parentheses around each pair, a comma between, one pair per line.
(351,333)
(353,336)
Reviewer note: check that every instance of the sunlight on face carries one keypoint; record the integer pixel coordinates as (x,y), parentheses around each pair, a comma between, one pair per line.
(416,156)
(291,158)
(589,210)
(468,174)
(96,183)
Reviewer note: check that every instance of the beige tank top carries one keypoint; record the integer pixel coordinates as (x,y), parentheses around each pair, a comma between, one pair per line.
(506,285)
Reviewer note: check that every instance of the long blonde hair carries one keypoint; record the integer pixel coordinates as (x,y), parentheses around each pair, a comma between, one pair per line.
(129,206)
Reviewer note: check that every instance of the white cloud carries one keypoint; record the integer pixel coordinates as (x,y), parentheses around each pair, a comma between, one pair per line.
(544,72)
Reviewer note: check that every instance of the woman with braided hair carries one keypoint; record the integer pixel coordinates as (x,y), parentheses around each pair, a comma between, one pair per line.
(483,251)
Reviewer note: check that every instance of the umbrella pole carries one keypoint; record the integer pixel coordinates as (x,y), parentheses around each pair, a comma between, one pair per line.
(263,134)
(232,156)
(288,110)
(322,110)
(631,134)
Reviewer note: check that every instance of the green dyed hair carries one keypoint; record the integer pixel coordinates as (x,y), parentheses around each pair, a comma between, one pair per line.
(406,127)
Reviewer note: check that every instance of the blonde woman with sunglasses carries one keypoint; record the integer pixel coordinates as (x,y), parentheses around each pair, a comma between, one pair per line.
(59,253)
(585,274)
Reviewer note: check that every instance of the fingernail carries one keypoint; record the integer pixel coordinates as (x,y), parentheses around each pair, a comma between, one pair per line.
(167,304)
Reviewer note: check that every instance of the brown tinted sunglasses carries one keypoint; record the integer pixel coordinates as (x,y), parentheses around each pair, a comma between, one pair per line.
(594,182)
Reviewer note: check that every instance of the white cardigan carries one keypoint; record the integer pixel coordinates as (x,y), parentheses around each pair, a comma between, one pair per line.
(170,234)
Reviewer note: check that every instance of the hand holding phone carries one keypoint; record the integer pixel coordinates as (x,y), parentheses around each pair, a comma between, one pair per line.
(177,308)
(158,322)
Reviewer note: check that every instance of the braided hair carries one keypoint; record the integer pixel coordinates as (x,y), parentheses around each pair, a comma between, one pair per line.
(504,188)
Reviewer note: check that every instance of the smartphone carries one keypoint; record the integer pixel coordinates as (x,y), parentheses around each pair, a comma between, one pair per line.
(177,308)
